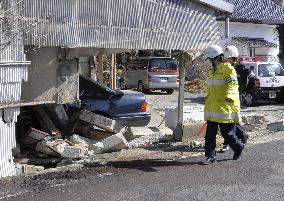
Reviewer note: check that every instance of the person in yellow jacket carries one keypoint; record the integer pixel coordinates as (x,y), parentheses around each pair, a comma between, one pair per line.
(231,55)
(222,105)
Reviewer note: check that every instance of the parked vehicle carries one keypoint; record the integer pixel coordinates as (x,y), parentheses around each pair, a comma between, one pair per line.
(269,82)
(129,108)
(153,73)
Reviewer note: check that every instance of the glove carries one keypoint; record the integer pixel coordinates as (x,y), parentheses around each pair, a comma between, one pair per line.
(229,99)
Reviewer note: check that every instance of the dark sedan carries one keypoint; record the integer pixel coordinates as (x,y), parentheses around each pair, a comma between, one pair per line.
(128,107)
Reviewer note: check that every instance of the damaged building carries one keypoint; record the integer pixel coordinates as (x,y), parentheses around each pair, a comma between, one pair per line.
(46,44)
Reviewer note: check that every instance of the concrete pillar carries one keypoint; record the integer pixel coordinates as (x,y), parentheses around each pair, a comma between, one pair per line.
(93,68)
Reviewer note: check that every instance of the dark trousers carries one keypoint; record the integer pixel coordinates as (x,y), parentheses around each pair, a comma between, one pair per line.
(227,130)
(240,133)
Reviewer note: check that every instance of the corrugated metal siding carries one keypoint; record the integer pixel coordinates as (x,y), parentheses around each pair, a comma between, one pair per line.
(7,143)
(123,24)
(13,70)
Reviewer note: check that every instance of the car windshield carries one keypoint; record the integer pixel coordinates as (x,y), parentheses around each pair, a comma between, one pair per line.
(163,64)
(270,70)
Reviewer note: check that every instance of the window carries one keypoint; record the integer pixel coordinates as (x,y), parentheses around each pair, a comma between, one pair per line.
(252,52)
(139,64)
(270,70)
(163,64)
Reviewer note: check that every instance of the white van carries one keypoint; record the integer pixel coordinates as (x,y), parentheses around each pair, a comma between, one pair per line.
(153,73)
(269,83)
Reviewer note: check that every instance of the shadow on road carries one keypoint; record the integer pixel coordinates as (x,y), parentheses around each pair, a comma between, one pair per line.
(150,165)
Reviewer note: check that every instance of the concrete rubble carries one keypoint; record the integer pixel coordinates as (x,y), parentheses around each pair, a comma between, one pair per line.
(74,139)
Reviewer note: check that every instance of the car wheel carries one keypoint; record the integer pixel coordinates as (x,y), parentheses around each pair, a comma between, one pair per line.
(280,98)
(170,91)
(250,99)
(140,86)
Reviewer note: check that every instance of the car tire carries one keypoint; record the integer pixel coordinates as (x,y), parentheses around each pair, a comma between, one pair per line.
(170,91)
(280,99)
(250,99)
(140,87)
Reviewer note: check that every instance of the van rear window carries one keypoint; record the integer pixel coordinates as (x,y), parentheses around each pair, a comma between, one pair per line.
(270,70)
(163,64)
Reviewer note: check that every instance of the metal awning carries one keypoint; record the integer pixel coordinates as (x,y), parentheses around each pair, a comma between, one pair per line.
(126,24)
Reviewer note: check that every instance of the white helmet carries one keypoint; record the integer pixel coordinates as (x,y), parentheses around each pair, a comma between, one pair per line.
(231,51)
(212,51)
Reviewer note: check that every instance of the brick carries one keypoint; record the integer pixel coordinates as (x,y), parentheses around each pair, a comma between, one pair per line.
(101,121)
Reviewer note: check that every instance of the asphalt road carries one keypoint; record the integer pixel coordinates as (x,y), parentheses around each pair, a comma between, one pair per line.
(257,175)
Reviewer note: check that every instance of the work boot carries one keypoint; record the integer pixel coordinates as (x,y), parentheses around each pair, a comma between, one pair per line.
(208,161)
(224,148)
(246,138)
(237,154)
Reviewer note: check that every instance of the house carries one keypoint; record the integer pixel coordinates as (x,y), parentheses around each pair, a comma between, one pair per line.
(46,44)
(253,28)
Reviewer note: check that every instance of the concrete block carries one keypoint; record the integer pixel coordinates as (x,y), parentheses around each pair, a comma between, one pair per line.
(97,148)
(31,169)
(275,126)
(101,121)
(77,139)
(44,148)
(253,127)
(253,119)
(191,130)
(61,148)
(67,151)
(115,142)
(191,113)
(33,136)
(137,132)
(157,135)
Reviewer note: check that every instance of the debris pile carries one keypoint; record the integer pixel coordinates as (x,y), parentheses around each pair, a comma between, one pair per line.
(52,133)
(195,86)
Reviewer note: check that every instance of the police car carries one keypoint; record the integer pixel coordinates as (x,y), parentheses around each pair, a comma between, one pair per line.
(269,81)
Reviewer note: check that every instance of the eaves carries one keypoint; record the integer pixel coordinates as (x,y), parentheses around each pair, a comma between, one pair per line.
(219,5)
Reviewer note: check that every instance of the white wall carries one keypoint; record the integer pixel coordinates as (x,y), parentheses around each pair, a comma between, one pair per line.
(238,29)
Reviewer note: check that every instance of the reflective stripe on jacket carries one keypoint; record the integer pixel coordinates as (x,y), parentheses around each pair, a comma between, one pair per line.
(222,83)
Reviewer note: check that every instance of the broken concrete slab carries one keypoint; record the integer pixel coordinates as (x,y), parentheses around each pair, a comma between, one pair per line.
(115,142)
(157,135)
(90,131)
(253,119)
(101,121)
(253,127)
(33,136)
(92,145)
(50,161)
(62,148)
(276,126)
(28,169)
(137,132)
(77,139)
(97,148)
